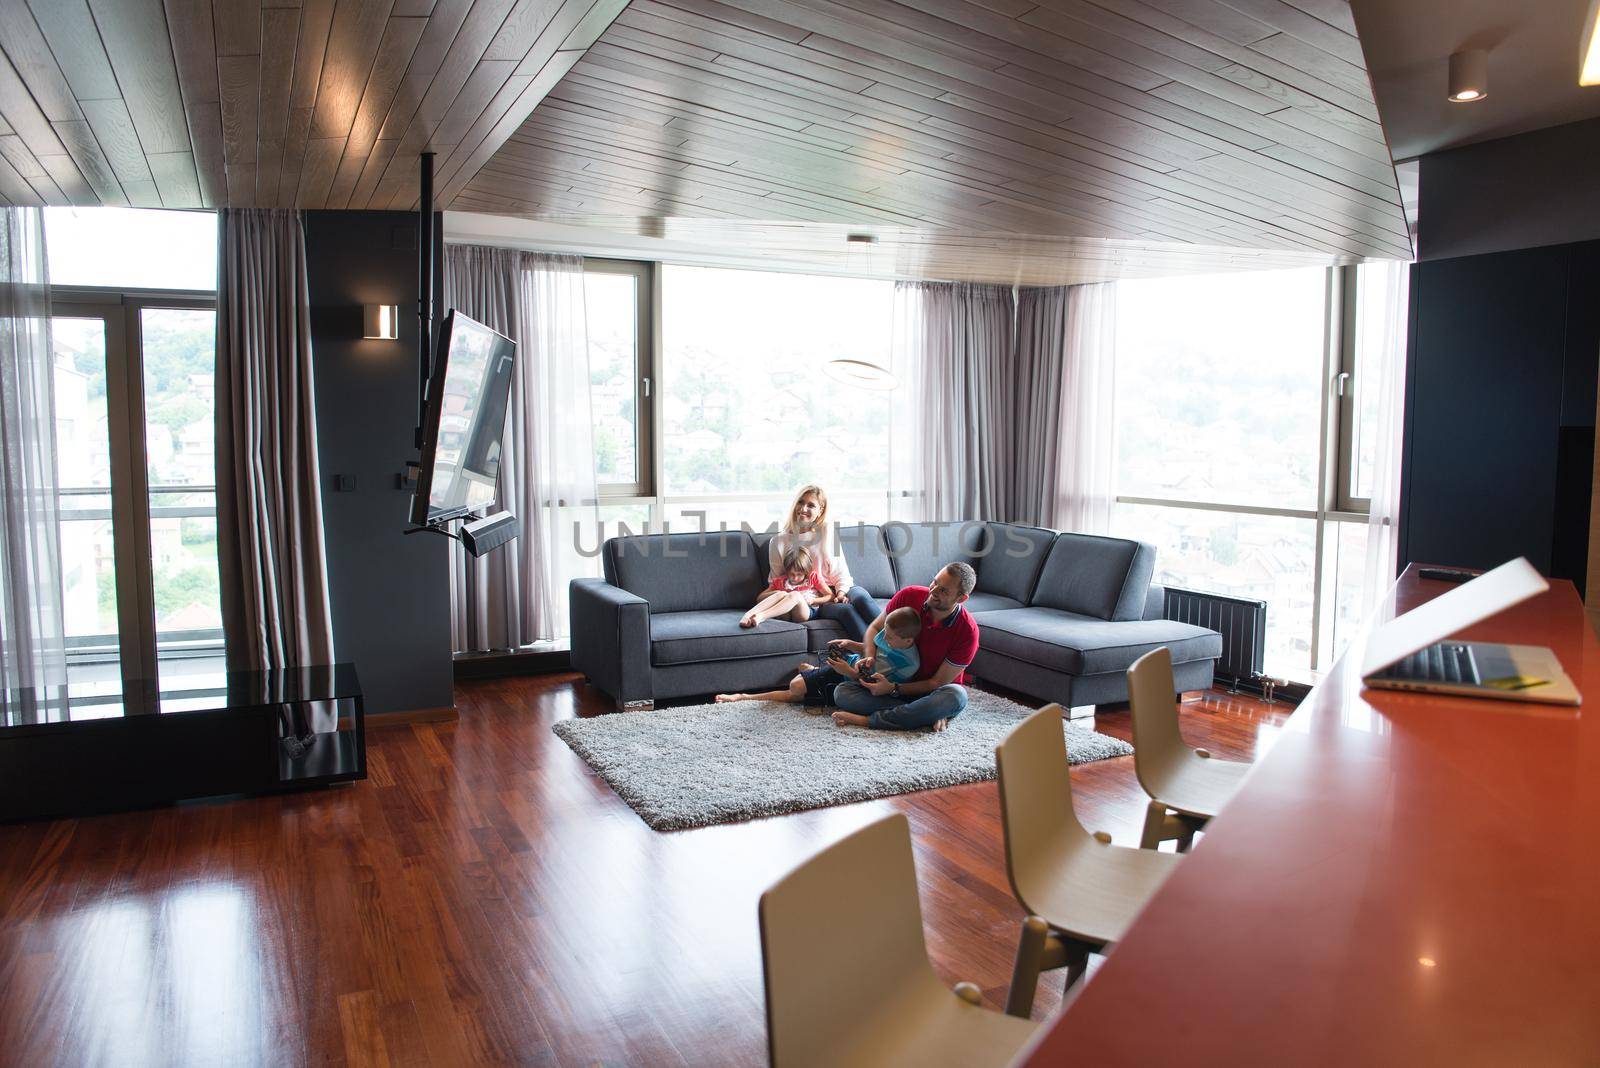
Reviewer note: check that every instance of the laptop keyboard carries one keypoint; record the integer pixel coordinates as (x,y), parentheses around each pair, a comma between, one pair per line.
(1449,662)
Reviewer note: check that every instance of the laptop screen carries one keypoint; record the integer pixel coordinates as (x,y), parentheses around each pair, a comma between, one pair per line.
(1472,602)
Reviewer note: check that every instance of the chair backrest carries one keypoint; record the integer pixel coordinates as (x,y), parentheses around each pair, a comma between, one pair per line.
(1152,698)
(841,939)
(1036,801)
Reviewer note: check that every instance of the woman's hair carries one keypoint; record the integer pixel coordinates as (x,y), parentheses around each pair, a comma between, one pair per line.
(789,523)
(797,558)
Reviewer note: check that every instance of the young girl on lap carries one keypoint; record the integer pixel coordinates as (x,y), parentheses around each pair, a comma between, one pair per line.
(793,592)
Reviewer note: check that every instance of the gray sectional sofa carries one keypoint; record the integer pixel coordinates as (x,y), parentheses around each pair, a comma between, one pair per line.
(1060,616)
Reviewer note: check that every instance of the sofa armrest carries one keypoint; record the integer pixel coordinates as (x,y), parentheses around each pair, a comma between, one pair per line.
(1155,602)
(611,639)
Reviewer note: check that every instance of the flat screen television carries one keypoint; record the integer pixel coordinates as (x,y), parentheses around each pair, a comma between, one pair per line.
(465,420)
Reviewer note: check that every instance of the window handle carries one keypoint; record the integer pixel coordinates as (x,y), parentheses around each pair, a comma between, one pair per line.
(1340,382)
(646,382)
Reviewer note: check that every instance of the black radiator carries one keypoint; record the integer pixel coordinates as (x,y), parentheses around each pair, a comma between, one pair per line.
(1241,622)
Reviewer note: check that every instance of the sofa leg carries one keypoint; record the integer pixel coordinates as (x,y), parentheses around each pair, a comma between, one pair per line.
(1081,712)
(638,706)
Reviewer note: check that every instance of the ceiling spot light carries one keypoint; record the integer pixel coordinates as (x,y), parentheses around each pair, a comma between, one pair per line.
(1589,45)
(1469,76)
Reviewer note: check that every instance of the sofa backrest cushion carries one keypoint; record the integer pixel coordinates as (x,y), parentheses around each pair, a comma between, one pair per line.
(688,572)
(1010,557)
(1107,578)
(921,550)
(868,556)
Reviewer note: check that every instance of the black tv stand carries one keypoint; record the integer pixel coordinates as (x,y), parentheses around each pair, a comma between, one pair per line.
(62,755)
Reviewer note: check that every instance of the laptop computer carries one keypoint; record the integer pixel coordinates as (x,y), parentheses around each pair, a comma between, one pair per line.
(1411,651)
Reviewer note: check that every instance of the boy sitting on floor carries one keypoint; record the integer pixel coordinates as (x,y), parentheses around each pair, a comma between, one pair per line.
(894,658)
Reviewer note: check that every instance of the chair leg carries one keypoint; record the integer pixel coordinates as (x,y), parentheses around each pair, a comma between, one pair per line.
(1155,821)
(1077,964)
(1186,840)
(1030,960)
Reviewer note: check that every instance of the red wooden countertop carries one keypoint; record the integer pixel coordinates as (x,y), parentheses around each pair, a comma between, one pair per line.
(1402,879)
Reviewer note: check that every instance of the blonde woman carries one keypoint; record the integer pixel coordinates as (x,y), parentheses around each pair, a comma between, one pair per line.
(806,526)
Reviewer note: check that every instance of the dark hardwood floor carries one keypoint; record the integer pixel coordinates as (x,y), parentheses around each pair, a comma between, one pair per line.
(482,898)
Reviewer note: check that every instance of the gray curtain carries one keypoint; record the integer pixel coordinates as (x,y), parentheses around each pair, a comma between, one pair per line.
(32,626)
(953,350)
(1064,433)
(270,551)
(518,594)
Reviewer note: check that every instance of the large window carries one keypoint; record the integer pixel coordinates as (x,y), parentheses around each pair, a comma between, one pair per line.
(1234,394)
(746,407)
(134,336)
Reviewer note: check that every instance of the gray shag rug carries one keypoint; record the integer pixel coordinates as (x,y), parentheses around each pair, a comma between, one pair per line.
(705,764)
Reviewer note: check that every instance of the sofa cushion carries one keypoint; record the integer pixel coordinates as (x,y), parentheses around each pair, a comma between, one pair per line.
(990,602)
(819,632)
(695,637)
(921,550)
(688,572)
(1091,576)
(864,550)
(1082,645)
(1010,557)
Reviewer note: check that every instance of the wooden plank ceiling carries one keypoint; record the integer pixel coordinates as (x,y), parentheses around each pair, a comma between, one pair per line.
(319,104)
(1244,123)
(1116,130)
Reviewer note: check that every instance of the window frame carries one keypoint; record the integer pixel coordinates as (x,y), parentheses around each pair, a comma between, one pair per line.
(130,493)
(646,328)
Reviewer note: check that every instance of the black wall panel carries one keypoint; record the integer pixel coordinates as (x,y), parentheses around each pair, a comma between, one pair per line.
(1500,409)
(390,592)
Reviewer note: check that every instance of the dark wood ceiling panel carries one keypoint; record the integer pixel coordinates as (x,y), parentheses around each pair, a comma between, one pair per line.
(315,103)
(1211,123)
(1208,125)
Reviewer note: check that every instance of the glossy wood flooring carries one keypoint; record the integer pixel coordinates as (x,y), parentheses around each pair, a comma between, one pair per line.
(481,899)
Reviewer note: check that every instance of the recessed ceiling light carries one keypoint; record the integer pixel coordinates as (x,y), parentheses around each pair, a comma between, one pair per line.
(1589,44)
(1469,76)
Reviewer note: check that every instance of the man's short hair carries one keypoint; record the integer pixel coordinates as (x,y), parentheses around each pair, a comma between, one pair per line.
(905,622)
(966,578)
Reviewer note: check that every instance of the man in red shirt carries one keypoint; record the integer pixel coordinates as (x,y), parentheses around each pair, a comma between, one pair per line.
(946,645)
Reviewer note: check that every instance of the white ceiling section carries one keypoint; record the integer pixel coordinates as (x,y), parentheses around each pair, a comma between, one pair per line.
(1533,68)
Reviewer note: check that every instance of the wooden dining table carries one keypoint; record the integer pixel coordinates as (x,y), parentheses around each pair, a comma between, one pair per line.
(1402,879)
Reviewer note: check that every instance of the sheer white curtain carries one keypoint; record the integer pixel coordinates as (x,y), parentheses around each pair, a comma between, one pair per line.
(1385,294)
(952,351)
(32,625)
(1063,432)
(517,595)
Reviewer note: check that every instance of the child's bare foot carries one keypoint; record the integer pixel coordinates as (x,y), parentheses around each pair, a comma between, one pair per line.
(724,698)
(850,719)
(748,620)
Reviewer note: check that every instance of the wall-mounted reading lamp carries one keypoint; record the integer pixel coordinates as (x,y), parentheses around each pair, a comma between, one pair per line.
(380,322)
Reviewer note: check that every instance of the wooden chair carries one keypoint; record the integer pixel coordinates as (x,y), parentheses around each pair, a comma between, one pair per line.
(847,975)
(1081,891)
(1186,786)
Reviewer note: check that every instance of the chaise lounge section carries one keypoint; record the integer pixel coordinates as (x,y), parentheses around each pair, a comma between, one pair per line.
(1061,616)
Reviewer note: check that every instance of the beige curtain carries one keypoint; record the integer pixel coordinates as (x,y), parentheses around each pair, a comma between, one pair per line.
(953,351)
(517,595)
(32,624)
(270,552)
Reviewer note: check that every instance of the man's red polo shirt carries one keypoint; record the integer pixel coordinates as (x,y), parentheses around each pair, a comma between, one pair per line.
(953,639)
